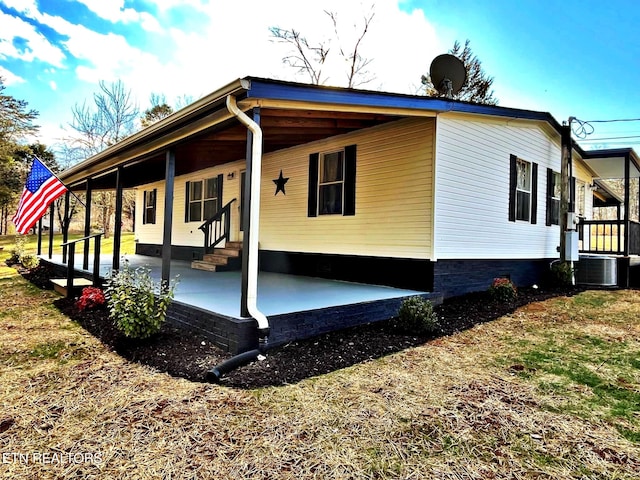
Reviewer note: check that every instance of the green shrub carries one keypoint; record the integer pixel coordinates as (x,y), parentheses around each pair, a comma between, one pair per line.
(29,261)
(18,251)
(18,254)
(502,290)
(137,305)
(561,274)
(416,315)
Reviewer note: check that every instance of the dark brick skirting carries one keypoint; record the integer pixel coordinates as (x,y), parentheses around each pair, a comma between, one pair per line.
(457,277)
(411,273)
(237,335)
(233,335)
(299,325)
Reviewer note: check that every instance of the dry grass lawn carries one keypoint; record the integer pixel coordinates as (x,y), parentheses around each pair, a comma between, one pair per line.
(551,391)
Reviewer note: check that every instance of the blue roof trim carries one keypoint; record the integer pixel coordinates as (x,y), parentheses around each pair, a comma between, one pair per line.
(278,90)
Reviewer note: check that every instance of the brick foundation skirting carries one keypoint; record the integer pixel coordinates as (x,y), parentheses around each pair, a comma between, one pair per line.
(237,335)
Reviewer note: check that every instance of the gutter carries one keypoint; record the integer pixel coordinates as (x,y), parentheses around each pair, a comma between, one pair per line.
(252,274)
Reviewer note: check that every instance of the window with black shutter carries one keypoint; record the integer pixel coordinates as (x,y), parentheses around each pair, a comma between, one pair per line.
(553,197)
(523,190)
(203,199)
(149,201)
(332,182)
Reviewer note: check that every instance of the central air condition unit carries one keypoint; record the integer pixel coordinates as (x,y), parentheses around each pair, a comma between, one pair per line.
(597,270)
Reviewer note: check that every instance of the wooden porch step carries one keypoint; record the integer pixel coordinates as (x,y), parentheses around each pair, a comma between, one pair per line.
(202,265)
(60,284)
(216,258)
(226,258)
(227,251)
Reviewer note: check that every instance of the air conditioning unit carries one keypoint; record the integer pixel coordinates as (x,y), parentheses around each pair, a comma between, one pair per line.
(597,270)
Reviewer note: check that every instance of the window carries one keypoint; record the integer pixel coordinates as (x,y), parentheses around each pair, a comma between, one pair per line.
(203,199)
(149,201)
(582,188)
(332,183)
(523,190)
(554,186)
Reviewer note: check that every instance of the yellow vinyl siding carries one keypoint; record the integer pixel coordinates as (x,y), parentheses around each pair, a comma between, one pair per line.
(581,172)
(394,168)
(394,197)
(188,234)
(150,230)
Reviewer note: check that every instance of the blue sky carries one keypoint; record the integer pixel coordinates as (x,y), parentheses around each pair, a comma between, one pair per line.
(569,57)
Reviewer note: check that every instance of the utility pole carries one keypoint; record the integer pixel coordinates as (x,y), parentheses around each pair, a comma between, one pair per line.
(568,231)
(565,139)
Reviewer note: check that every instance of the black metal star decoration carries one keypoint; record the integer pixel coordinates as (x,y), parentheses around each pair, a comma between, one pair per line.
(280,182)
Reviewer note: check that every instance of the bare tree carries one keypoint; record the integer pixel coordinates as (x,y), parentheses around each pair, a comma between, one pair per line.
(96,127)
(306,59)
(310,58)
(109,120)
(357,73)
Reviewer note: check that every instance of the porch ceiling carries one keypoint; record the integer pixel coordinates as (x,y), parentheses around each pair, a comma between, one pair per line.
(226,142)
(613,166)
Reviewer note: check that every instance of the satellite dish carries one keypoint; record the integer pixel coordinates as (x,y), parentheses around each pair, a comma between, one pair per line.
(448,74)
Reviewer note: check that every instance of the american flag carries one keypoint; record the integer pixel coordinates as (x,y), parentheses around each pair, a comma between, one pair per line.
(41,189)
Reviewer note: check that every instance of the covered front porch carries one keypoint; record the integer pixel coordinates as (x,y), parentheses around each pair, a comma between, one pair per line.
(617,237)
(296,306)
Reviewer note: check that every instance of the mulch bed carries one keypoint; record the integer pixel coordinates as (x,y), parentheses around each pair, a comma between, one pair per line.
(190,355)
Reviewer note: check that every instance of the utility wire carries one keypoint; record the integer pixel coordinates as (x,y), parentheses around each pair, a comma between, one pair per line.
(610,121)
(584,128)
(610,138)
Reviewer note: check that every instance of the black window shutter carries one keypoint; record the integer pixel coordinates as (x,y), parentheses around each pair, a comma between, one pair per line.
(572,194)
(187,193)
(534,193)
(350,180)
(155,201)
(220,177)
(513,179)
(549,196)
(312,208)
(144,207)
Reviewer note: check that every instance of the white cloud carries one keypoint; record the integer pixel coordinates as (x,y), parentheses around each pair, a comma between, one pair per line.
(114,11)
(36,46)
(228,44)
(164,5)
(27,7)
(101,56)
(50,134)
(9,77)
(400,44)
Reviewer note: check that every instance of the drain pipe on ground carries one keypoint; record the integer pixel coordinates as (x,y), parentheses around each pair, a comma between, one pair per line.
(252,269)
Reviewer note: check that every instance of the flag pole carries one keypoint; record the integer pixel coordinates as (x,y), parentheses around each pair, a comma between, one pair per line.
(68,189)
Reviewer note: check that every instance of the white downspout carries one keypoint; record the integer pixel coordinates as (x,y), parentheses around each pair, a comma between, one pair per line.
(254,215)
